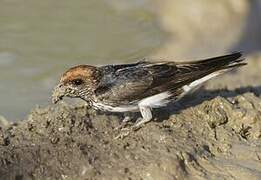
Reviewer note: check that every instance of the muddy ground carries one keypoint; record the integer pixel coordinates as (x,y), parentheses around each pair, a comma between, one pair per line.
(213,134)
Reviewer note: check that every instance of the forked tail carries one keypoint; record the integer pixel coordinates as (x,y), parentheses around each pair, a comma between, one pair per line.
(197,72)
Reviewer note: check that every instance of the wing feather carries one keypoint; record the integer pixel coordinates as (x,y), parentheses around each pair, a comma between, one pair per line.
(132,82)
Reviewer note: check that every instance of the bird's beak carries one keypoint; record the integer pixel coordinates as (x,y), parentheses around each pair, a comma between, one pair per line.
(58,93)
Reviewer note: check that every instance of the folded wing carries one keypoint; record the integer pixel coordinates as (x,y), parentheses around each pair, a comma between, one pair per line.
(140,80)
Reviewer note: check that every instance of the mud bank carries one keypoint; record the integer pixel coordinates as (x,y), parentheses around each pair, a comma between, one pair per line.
(212,134)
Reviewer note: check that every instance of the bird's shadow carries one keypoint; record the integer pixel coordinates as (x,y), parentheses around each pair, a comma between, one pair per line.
(199,97)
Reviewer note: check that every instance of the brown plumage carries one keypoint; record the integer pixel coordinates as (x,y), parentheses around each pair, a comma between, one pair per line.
(140,86)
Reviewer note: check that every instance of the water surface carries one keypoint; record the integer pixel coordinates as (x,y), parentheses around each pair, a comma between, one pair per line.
(40,39)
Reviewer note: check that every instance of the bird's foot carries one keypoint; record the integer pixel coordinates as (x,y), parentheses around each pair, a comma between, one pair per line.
(126,131)
(139,124)
(124,123)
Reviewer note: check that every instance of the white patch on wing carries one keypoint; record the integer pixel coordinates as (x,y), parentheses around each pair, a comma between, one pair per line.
(157,100)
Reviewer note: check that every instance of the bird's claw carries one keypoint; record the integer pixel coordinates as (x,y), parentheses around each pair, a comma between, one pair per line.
(124,132)
(124,123)
(121,126)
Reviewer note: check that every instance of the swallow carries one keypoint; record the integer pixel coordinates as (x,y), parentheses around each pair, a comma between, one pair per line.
(141,86)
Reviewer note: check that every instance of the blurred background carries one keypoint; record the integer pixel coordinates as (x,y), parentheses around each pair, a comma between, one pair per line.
(41,39)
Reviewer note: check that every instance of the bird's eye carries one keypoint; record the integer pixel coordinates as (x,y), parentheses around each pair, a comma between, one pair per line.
(77,82)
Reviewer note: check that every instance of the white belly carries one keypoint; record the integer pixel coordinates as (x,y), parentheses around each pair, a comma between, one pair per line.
(154,101)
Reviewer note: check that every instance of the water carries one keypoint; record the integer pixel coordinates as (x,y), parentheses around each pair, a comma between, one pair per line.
(40,39)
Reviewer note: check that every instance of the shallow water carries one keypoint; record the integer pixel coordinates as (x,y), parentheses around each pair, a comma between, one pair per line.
(40,39)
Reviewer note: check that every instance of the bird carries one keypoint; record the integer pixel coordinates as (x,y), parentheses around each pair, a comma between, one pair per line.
(141,86)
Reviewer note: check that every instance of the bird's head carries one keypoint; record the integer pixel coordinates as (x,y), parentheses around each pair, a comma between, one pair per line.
(78,82)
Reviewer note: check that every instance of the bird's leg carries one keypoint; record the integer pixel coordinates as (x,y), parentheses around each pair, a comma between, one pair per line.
(146,117)
(127,118)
